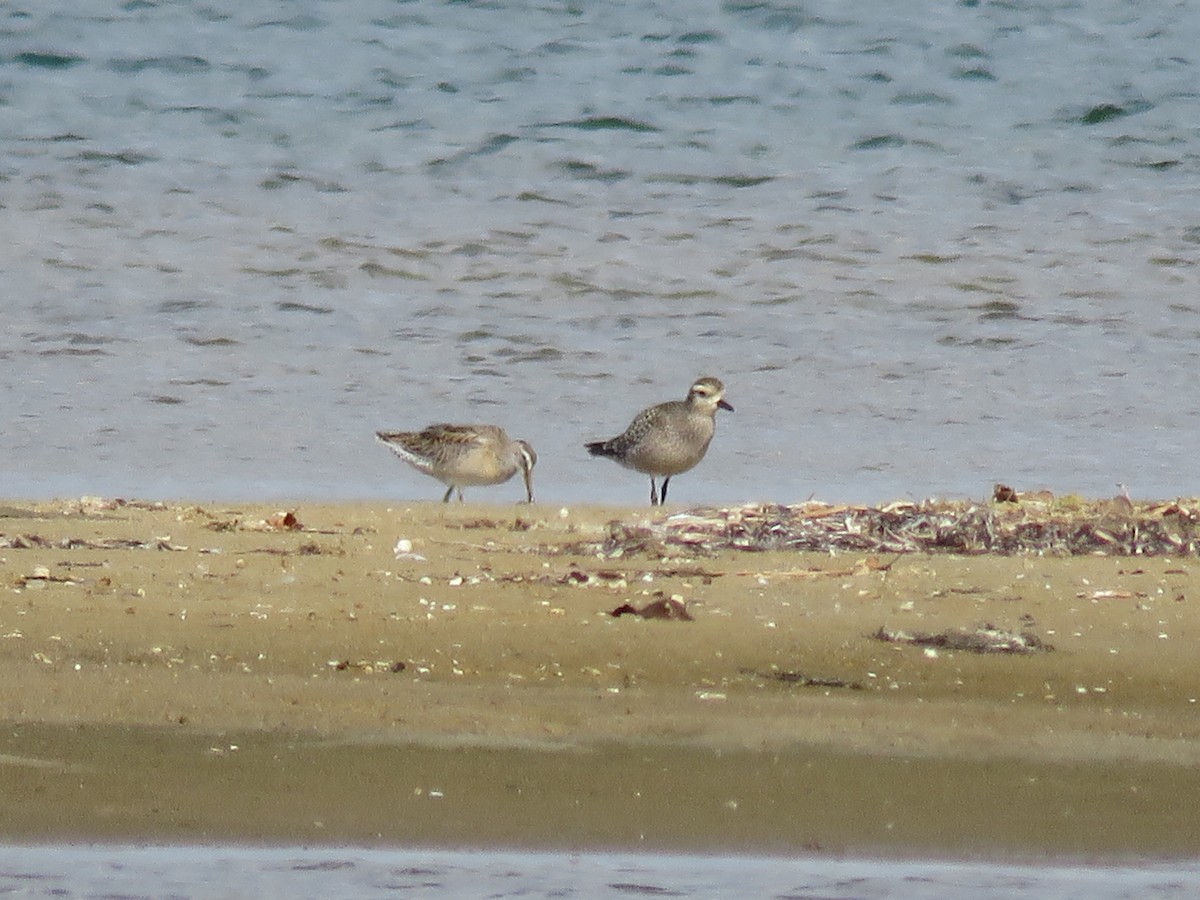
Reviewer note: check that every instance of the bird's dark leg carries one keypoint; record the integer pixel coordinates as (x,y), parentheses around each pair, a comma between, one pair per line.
(653,493)
(662,495)
(449,491)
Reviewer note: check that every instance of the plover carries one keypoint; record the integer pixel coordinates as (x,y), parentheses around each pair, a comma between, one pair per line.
(462,455)
(669,438)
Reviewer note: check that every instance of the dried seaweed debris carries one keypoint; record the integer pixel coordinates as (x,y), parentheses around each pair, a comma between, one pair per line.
(1069,527)
(985,639)
(801,680)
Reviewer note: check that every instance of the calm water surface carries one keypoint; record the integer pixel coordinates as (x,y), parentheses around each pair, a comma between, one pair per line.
(189,873)
(927,245)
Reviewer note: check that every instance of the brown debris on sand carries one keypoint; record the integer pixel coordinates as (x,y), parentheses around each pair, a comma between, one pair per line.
(663,608)
(1029,524)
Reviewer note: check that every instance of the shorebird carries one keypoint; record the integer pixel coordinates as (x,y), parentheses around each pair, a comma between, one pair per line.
(461,455)
(669,438)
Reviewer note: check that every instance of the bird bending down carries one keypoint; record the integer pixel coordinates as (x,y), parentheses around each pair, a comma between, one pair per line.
(669,438)
(462,455)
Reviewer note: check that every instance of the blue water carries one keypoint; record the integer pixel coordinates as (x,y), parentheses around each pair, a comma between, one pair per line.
(928,246)
(199,873)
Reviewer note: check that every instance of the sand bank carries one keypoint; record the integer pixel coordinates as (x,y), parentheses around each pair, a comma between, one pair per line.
(454,675)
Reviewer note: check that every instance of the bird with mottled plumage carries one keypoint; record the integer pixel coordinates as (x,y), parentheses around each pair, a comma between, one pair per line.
(463,455)
(669,438)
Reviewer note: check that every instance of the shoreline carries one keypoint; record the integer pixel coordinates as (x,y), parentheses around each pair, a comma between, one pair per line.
(362,657)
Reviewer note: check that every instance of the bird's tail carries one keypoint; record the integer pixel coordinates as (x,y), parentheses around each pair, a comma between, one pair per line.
(600,448)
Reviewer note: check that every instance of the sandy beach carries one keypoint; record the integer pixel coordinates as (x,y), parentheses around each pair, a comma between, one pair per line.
(454,675)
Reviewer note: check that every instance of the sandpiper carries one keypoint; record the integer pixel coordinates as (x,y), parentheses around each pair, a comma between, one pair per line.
(460,455)
(669,438)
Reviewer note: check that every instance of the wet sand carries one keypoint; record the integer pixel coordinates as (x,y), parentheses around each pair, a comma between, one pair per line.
(210,672)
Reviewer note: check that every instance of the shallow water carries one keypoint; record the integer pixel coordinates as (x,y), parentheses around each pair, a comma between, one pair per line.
(203,872)
(927,246)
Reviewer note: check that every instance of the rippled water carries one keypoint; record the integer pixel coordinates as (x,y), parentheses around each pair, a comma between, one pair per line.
(196,873)
(928,246)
